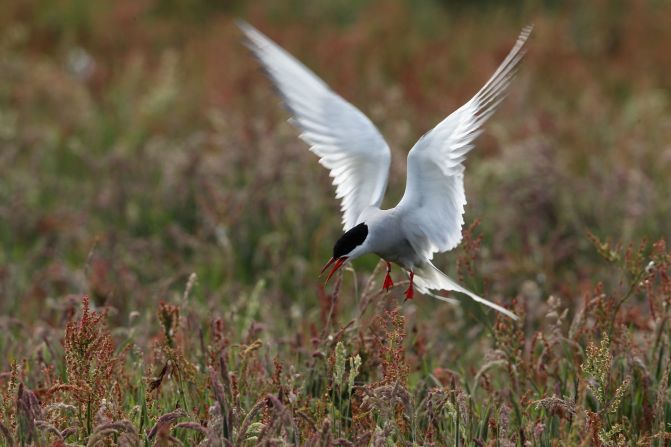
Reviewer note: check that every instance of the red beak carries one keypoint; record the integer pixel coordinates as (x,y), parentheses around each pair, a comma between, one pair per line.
(338,263)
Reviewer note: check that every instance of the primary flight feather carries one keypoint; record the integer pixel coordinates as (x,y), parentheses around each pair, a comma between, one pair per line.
(429,217)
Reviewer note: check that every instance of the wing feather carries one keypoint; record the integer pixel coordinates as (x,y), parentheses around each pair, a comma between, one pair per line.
(434,198)
(347,142)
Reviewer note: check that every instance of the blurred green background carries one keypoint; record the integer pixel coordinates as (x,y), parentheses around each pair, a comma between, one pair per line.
(139,142)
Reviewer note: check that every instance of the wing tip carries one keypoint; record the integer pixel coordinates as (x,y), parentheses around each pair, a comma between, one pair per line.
(254,39)
(526,31)
(242,24)
(247,29)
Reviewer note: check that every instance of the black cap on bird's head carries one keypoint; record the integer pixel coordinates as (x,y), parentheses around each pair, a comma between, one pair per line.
(350,240)
(343,246)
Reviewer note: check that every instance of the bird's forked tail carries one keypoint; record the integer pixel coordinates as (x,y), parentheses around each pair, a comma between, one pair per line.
(428,277)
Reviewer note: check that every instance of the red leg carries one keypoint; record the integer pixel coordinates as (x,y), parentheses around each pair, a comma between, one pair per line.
(410,293)
(388,283)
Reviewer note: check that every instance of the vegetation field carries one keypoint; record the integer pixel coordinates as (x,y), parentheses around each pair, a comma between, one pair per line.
(162,228)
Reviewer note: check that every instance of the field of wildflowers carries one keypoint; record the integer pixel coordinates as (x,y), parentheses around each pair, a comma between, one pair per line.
(162,229)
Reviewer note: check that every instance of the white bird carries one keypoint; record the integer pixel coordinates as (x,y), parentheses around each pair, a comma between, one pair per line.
(429,217)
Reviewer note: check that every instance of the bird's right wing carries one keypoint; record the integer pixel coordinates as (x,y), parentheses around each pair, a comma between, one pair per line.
(434,199)
(346,141)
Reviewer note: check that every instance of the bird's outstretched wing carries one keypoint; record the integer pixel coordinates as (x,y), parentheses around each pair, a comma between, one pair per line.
(346,141)
(432,206)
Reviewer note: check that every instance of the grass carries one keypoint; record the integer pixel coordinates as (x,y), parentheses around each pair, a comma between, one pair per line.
(162,228)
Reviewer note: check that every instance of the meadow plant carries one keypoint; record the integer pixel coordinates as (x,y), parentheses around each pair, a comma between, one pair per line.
(162,227)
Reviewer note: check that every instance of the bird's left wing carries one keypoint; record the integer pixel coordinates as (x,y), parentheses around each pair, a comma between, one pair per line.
(432,206)
(347,142)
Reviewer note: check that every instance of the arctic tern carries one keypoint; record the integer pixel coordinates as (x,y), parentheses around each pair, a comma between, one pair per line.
(429,217)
